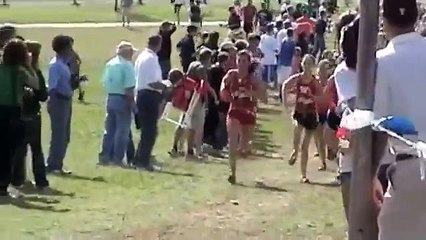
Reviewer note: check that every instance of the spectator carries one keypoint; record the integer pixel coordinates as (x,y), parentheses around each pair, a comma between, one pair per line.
(283,32)
(264,17)
(303,43)
(269,47)
(166,31)
(285,57)
(126,7)
(59,105)
(7,32)
(234,19)
(306,25)
(15,73)
(319,41)
(400,92)
(31,116)
(119,82)
(248,13)
(195,16)
(177,7)
(186,47)
(149,86)
(215,125)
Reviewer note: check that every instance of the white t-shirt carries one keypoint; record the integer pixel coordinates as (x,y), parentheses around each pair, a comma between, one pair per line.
(280,37)
(269,47)
(346,82)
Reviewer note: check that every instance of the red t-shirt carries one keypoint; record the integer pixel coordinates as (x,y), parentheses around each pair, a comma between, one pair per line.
(305,24)
(248,13)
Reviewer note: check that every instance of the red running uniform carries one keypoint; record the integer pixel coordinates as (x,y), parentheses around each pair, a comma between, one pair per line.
(242,107)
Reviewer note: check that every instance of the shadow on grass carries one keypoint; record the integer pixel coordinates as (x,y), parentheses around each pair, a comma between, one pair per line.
(177,174)
(263,143)
(262,186)
(268,111)
(30,190)
(329,184)
(81,178)
(26,203)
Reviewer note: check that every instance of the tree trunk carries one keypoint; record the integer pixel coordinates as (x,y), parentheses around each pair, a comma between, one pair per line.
(362,212)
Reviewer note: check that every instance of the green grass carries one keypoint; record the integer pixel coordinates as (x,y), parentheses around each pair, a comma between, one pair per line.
(96,12)
(111,203)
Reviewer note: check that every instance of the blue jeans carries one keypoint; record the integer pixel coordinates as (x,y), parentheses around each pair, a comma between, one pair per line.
(130,154)
(165,68)
(148,103)
(117,129)
(60,111)
(319,45)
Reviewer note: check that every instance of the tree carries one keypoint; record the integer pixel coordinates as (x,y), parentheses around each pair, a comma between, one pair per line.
(362,212)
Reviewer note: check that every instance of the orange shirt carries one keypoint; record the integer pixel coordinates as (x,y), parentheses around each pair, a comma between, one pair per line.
(305,24)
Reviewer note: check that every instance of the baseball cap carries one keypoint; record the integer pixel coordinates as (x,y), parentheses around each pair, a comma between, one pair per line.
(400,12)
(125,45)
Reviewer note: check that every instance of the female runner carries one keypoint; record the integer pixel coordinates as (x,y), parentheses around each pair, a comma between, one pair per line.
(240,89)
(307,90)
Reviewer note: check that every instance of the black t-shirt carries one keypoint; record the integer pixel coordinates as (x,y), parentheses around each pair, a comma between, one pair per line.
(195,13)
(320,27)
(234,21)
(265,17)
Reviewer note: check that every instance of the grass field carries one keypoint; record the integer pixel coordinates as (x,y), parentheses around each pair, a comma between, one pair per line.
(189,200)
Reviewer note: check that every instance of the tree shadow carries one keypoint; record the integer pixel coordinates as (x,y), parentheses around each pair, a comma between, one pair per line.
(262,186)
(262,142)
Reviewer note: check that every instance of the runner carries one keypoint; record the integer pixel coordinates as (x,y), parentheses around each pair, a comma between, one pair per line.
(240,89)
(307,91)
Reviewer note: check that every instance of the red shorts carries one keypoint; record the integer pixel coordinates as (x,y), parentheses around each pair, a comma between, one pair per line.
(243,116)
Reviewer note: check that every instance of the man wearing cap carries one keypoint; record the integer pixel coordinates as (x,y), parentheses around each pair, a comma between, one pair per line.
(399,92)
(119,82)
(166,31)
(149,88)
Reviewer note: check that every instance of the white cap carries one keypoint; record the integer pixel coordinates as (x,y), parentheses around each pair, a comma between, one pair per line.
(125,45)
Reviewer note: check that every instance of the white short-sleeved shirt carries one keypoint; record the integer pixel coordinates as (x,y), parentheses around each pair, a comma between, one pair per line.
(401,81)
(269,47)
(346,82)
(147,70)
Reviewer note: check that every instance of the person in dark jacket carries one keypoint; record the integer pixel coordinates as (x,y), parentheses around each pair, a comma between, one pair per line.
(166,31)
(212,134)
(15,73)
(31,116)
(186,47)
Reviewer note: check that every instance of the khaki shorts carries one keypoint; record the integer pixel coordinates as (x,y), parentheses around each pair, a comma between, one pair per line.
(197,119)
(403,216)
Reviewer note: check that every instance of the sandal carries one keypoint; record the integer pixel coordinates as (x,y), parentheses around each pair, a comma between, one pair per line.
(293,158)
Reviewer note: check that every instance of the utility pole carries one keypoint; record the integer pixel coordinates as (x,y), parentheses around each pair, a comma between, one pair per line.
(362,212)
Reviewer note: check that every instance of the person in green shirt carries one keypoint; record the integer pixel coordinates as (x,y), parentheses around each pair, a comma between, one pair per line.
(15,73)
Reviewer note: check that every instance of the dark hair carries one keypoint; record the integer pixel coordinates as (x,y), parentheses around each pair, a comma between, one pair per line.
(61,43)
(230,8)
(241,44)
(205,54)
(20,37)
(154,40)
(34,48)
(290,32)
(191,29)
(253,36)
(344,20)
(15,53)
(213,40)
(350,44)
(6,33)
(252,66)
(222,57)
(400,13)
(279,24)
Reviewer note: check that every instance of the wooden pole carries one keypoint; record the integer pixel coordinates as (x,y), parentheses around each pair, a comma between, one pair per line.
(362,213)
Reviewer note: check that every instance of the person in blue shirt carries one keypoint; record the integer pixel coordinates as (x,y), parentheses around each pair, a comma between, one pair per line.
(285,57)
(59,106)
(119,81)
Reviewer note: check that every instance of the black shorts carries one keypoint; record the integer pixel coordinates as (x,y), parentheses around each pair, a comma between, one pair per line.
(178,7)
(333,120)
(322,118)
(308,120)
(248,27)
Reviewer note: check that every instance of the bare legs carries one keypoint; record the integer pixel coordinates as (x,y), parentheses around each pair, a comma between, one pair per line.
(233,126)
(321,146)
(304,148)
